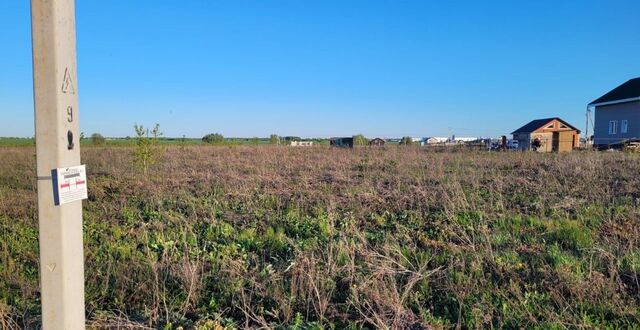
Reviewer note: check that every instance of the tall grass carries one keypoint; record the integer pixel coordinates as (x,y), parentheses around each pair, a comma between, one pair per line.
(277,237)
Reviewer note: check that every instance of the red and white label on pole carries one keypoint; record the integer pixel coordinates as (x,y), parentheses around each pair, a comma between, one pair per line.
(69,184)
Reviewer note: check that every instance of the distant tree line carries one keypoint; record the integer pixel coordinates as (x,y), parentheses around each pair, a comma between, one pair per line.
(217,138)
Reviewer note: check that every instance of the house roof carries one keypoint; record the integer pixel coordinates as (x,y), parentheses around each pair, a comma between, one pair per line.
(628,90)
(535,124)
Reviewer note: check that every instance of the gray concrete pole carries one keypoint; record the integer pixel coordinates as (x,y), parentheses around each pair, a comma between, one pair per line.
(57,145)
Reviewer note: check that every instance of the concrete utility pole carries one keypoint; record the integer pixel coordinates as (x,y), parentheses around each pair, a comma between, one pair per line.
(57,146)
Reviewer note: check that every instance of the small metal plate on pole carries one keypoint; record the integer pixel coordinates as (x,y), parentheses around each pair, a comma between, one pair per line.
(69,184)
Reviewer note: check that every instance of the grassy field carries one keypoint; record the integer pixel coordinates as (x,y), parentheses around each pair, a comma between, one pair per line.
(312,238)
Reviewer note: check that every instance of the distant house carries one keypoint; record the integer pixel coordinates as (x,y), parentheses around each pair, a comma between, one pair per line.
(378,142)
(302,143)
(341,142)
(617,115)
(435,140)
(547,135)
(458,139)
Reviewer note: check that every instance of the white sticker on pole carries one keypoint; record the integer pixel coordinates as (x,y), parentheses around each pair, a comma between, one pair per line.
(69,184)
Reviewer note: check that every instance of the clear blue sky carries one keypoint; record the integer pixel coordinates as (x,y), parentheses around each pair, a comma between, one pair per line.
(330,67)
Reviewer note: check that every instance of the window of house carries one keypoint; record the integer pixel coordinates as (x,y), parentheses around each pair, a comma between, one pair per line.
(624,126)
(613,127)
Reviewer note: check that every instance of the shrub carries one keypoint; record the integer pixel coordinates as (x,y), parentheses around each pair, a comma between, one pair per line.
(214,138)
(360,140)
(97,139)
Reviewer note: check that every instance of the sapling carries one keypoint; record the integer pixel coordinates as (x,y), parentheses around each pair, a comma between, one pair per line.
(147,150)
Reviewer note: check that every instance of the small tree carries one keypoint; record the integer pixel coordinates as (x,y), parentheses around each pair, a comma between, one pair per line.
(147,150)
(407,141)
(255,141)
(360,140)
(183,142)
(213,138)
(97,139)
(274,139)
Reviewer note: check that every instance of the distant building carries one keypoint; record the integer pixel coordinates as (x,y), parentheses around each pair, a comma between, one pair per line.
(302,143)
(341,142)
(378,142)
(464,139)
(435,140)
(617,115)
(547,135)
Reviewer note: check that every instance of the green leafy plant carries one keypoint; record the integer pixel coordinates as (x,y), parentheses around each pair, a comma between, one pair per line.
(147,149)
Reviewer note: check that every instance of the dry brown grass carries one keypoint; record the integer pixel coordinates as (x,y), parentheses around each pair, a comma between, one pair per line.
(271,237)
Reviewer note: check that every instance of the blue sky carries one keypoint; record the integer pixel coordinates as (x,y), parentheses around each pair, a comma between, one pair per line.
(331,67)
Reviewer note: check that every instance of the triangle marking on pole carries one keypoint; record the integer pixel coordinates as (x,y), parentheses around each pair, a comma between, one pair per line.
(67,83)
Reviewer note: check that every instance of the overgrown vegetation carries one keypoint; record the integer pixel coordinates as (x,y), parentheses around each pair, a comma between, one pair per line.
(311,238)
